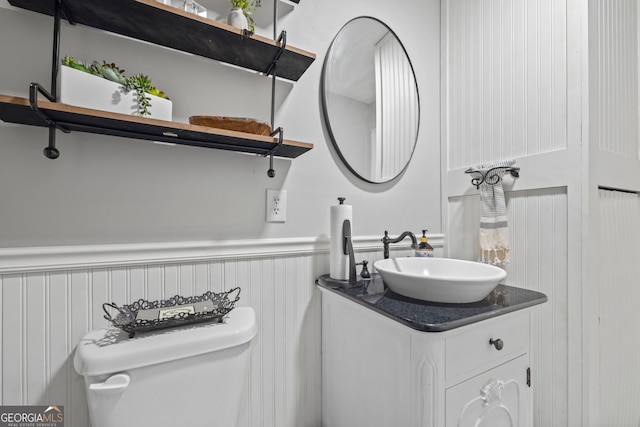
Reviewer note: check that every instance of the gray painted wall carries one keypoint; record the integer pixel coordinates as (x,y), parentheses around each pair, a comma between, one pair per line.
(113,190)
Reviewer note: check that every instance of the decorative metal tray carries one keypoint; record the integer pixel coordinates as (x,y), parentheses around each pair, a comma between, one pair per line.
(144,315)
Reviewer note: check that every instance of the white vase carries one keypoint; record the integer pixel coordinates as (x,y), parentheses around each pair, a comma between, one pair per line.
(237,19)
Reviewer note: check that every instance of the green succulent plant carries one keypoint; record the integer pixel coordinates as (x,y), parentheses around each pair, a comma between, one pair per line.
(110,71)
(142,85)
(248,7)
(71,62)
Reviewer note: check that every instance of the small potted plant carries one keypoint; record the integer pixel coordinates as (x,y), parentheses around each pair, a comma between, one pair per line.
(240,15)
(105,87)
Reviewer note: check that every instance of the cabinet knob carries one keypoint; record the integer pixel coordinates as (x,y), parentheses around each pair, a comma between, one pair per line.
(498,344)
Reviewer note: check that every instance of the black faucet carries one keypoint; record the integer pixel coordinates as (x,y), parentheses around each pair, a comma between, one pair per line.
(347,249)
(386,240)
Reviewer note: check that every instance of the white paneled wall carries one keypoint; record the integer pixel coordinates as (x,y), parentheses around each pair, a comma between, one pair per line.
(615,59)
(555,85)
(538,227)
(505,82)
(506,95)
(618,390)
(44,314)
(613,268)
(51,297)
(538,220)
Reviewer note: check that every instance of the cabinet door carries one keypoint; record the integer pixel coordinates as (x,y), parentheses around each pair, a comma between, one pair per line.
(496,398)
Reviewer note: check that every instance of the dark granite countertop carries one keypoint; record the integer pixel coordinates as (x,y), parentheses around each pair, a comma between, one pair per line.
(432,316)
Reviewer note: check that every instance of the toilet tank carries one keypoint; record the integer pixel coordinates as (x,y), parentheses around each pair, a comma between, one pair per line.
(192,376)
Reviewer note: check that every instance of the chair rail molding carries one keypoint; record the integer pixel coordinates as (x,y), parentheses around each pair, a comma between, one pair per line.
(48,258)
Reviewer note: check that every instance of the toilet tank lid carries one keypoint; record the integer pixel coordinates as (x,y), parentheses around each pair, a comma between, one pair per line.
(107,351)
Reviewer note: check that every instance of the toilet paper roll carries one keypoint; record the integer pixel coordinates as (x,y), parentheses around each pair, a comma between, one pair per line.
(338,261)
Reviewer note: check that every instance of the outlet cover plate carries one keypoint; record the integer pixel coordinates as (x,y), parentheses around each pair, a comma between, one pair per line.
(276,206)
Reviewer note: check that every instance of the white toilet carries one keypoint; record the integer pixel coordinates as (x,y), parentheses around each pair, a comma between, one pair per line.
(193,376)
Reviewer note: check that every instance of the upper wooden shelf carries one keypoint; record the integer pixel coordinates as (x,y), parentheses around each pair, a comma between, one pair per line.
(17,110)
(167,26)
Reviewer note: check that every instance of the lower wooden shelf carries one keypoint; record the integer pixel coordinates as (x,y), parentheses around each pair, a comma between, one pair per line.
(17,110)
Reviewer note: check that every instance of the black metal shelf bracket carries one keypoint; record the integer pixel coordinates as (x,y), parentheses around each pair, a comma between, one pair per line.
(271,172)
(283,46)
(272,71)
(491,176)
(51,152)
(58,11)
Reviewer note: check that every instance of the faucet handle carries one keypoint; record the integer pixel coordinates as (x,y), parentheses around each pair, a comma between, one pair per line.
(365,271)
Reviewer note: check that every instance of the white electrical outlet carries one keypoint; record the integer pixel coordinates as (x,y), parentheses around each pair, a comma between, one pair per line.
(276,205)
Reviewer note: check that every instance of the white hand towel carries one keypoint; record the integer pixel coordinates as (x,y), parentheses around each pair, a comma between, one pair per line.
(494,229)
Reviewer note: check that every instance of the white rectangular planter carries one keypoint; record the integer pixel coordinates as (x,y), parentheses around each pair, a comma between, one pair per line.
(86,90)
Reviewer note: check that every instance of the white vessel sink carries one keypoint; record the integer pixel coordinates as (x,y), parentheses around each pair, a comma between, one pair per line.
(440,279)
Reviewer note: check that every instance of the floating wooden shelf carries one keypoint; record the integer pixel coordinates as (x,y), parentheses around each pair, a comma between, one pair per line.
(17,110)
(167,26)
(164,25)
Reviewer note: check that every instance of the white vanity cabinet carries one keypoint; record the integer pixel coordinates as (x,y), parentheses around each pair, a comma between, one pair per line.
(377,371)
(486,386)
(498,397)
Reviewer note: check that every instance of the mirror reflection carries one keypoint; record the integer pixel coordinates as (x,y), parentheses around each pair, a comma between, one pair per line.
(370,100)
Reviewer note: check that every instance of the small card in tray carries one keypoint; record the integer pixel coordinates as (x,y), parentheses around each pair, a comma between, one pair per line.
(144,315)
(178,310)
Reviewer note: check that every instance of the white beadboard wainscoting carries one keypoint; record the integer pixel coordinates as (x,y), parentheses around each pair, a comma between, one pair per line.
(614,248)
(51,297)
(538,227)
(617,382)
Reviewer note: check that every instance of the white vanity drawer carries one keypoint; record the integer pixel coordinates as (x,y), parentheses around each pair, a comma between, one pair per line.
(487,343)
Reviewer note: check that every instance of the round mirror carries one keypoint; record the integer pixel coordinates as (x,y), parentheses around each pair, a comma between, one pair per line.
(370,100)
